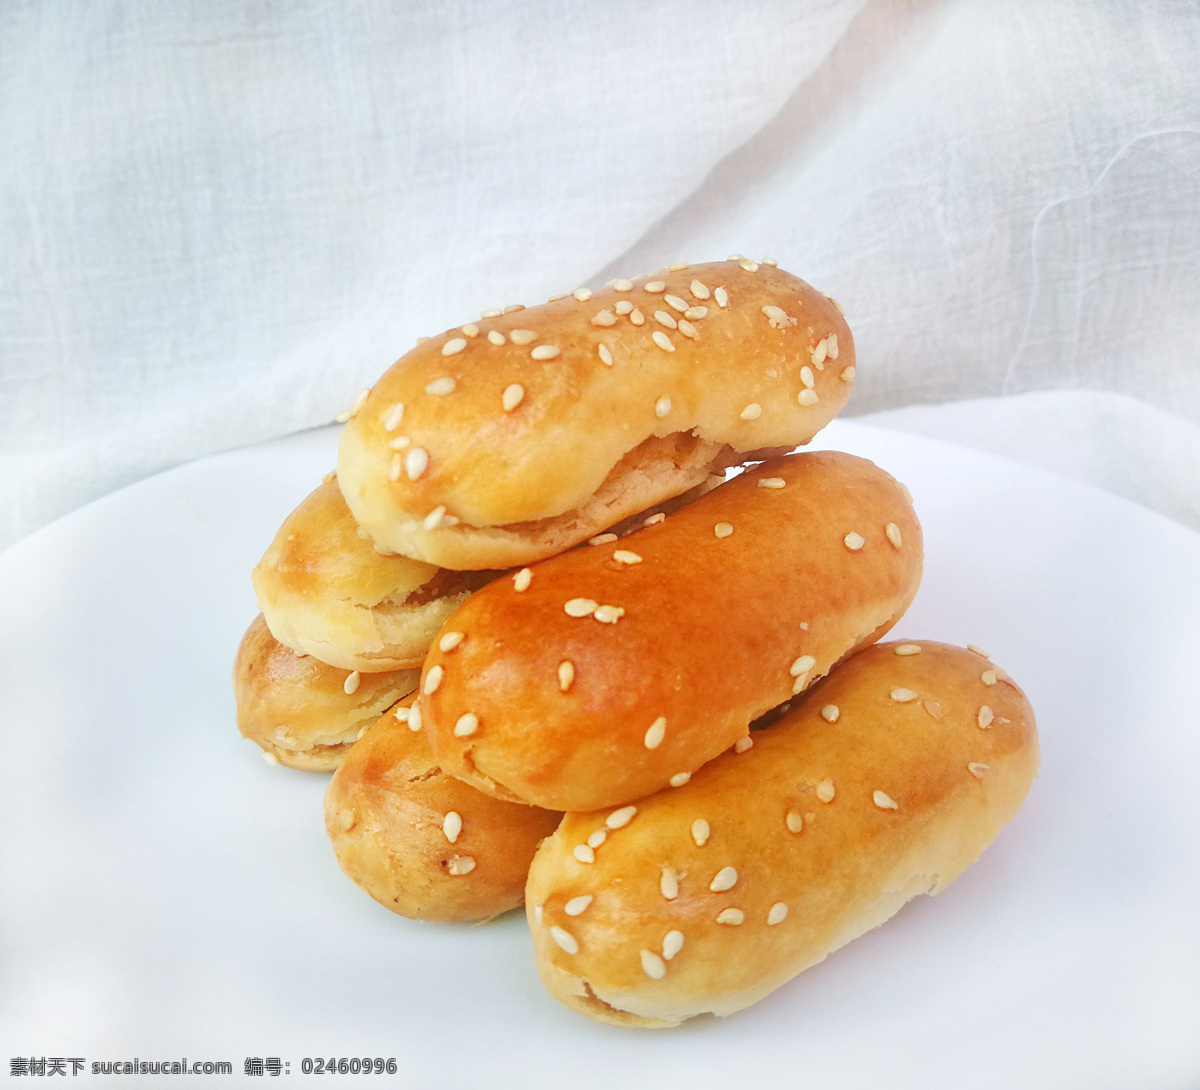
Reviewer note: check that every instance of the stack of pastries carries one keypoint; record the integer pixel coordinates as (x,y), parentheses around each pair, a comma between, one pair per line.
(576,630)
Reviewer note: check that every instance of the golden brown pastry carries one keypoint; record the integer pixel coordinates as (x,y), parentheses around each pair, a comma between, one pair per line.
(514,437)
(607,673)
(326,591)
(422,843)
(302,712)
(885,781)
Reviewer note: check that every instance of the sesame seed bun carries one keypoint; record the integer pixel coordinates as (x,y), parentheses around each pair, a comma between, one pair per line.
(420,842)
(302,712)
(326,591)
(603,674)
(513,438)
(709,897)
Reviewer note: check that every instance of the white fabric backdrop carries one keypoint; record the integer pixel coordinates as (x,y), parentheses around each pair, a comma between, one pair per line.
(219,219)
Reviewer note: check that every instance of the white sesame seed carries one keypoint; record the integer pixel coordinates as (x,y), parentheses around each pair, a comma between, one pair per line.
(662,340)
(655,286)
(665,319)
(672,943)
(654,966)
(537,913)
(512,308)
(985,717)
(770,261)
(819,353)
(637,317)
(731,916)
(832,346)
(512,397)
(606,356)
(470,330)
(847,374)
(618,819)
(655,734)
(722,297)
(580,607)
(933,708)
(854,541)
(522,579)
(903,696)
(608,614)
(624,556)
(584,853)
(359,531)
(452,826)
(424,340)
(454,346)
(679,266)
(270,757)
(675,303)
(350,685)
(604,318)
(808,398)
(893,534)
(576,905)
(400,713)
(668,883)
(622,285)
(362,731)
(988,677)
(679,779)
(450,640)
(461,864)
(395,468)
(466,725)
(522,336)
(392,418)
(696,313)
(748,265)
(830,713)
(723,529)
(883,801)
(742,744)
(725,878)
(802,665)
(545,352)
(752,411)
(978,650)
(440,386)
(597,838)
(623,306)
(400,442)
(794,821)
(688,330)
(806,376)
(977,769)
(662,406)
(565,940)
(496,337)
(490,313)
(602,539)
(904,649)
(654,519)
(435,517)
(432,680)
(582,294)
(836,305)
(777,913)
(699,290)
(415,463)
(700,832)
(825,791)
(566,674)
(772,482)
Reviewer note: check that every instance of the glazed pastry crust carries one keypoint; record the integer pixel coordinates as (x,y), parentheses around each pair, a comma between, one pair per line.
(701,633)
(386,813)
(297,709)
(828,828)
(503,453)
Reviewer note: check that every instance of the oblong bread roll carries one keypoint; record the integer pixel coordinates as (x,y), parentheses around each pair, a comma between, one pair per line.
(885,781)
(302,712)
(514,437)
(420,842)
(326,591)
(606,673)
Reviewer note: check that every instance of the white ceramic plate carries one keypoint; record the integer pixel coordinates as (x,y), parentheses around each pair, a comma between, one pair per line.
(164,893)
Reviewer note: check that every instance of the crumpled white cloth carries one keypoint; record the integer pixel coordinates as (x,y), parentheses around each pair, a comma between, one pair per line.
(219,220)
